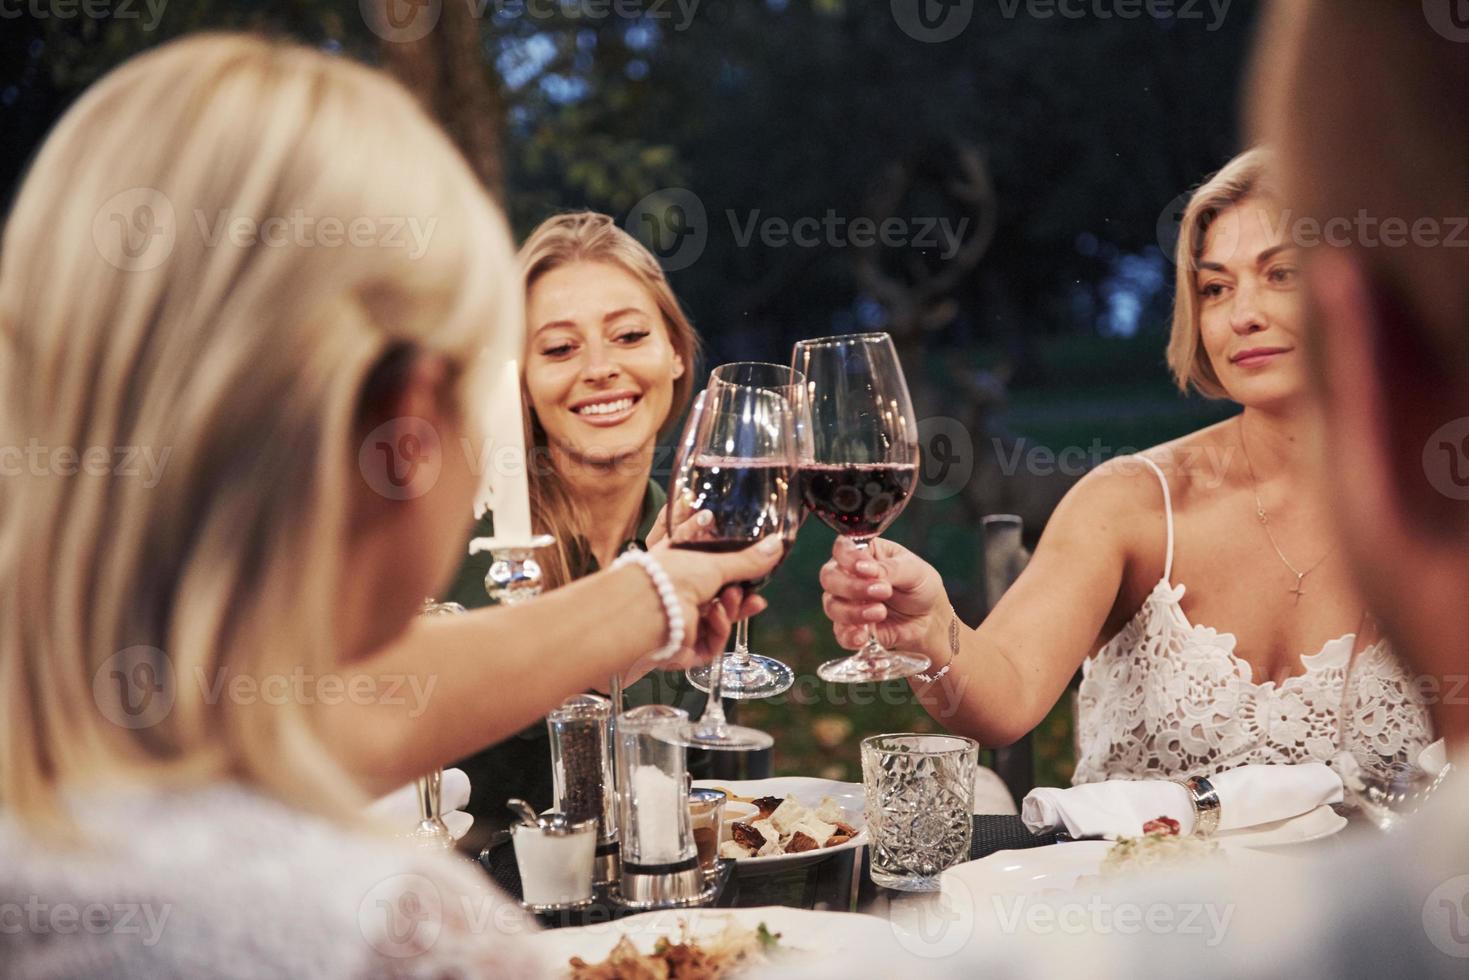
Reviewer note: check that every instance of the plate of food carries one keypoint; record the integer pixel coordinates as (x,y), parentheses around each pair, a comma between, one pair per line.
(797,819)
(705,943)
(1096,864)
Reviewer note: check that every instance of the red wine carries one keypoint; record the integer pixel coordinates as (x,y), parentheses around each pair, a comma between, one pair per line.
(749,500)
(857,500)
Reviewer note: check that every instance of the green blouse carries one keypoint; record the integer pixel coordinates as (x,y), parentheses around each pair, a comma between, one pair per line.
(521,765)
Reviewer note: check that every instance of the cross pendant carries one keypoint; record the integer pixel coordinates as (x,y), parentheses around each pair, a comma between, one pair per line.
(1298,591)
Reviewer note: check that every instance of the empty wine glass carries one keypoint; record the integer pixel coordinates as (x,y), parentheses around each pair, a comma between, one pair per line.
(1386,725)
(738,463)
(865,452)
(745,674)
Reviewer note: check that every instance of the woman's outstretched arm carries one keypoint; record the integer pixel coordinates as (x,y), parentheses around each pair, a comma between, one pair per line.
(1008,673)
(449,686)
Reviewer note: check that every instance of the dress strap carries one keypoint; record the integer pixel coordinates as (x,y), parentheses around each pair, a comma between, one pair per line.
(1167,513)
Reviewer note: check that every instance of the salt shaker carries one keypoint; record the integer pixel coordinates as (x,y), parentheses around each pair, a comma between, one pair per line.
(660,865)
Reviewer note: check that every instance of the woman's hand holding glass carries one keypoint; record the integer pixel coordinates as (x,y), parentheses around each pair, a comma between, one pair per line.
(710,606)
(889,589)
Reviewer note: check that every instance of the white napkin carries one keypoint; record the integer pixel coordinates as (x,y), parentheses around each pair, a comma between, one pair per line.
(1248,797)
(400,807)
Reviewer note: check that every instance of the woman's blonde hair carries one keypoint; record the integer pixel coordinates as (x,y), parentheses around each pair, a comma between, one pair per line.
(213,259)
(1244,176)
(585,236)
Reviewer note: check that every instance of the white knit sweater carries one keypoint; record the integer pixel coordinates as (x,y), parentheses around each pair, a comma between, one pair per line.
(225,882)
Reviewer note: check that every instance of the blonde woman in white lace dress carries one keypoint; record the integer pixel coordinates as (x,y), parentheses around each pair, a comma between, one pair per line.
(1197,585)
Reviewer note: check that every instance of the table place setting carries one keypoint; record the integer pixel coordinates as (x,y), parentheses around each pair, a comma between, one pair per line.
(1238,800)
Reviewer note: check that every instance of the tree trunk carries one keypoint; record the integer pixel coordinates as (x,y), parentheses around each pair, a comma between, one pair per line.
(448,71)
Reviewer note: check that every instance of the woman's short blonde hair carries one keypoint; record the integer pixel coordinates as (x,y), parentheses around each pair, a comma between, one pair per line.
(214,259)
(1244,176)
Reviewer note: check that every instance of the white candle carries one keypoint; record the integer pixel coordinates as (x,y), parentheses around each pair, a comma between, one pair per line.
(505,491)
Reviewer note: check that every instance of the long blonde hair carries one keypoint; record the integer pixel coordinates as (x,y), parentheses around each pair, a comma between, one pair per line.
(211,259)
(1244,176)
(585,236)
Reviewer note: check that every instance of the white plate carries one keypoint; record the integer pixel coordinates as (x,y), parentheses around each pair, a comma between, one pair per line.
(801,930)
(809,791)
(1057,867)
(1314,825)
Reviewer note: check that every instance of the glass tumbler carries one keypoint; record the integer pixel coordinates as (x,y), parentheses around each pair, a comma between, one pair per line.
(920,806)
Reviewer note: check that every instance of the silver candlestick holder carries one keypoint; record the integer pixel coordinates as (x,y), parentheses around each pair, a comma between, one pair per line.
(514,575)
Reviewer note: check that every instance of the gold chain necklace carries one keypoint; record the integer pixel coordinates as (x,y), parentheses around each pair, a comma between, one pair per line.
(1265,523)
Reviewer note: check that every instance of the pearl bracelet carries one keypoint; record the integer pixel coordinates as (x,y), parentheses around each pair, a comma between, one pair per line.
(672,610)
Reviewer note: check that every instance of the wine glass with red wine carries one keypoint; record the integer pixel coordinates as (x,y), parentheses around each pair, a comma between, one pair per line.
(739,464)
(747,674)
(865,452)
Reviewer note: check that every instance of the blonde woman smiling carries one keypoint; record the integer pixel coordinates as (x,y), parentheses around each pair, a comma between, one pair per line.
(262,553)
(1197,586)
(609,367)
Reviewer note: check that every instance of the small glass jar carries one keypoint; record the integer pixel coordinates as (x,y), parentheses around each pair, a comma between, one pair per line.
(706,816)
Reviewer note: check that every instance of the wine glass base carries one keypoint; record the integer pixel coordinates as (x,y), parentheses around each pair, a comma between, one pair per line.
(725,738)
(758,677)
(889,665)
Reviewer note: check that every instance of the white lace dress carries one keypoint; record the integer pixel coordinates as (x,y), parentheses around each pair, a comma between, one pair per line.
(1166,698)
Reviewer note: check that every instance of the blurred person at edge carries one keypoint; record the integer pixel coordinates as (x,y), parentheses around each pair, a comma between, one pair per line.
(1362,100)
(219,824)
(609,367)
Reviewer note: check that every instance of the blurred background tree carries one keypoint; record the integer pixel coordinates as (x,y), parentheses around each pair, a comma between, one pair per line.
(1063,143)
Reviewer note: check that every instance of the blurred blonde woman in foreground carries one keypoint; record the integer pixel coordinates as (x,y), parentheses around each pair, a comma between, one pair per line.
(201,671)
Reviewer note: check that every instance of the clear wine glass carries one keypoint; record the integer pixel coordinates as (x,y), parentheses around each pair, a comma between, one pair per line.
(1387,730)
(746,674)
(739,464)
(865,452)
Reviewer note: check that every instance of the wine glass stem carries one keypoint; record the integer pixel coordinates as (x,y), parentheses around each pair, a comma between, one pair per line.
(742,642)
(872,649)
(713,719)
